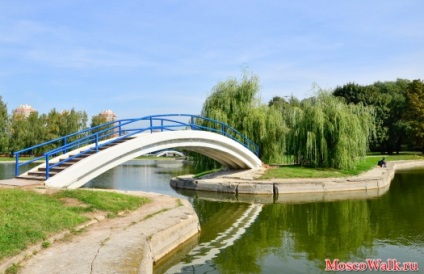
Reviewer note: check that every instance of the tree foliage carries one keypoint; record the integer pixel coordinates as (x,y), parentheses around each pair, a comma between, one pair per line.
(99,120)
(4,125)
(326,132)
(25,131)
(414,115)
(389,102)
(322,131)
(237,104)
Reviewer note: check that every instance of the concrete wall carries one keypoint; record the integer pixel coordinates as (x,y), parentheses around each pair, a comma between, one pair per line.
(377,178)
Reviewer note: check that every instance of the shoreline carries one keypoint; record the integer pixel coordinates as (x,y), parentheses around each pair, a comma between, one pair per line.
(246,182)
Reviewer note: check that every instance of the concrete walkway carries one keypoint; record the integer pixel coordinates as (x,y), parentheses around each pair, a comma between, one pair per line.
(126,244)
(20,183)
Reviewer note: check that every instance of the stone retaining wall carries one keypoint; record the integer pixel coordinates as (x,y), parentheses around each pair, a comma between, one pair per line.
(376,178)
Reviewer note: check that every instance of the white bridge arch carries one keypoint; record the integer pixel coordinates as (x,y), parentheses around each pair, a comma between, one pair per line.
(84,155)
(220,148)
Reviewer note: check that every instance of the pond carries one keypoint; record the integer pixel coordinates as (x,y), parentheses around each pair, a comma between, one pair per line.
(295,236)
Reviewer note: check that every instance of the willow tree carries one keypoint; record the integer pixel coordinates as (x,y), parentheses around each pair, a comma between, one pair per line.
(237,104)
(326,132)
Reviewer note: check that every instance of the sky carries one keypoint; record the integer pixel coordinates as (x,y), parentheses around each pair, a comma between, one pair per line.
(139,58)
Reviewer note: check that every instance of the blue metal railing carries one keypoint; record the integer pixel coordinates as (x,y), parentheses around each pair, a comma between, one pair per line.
(122,129)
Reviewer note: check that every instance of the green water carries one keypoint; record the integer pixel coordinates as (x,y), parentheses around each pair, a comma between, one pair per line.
(299,237)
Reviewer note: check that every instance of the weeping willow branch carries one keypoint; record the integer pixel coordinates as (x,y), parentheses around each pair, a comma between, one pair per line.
(326,132)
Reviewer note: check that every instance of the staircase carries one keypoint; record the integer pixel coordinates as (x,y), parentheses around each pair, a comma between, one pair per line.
(40,173)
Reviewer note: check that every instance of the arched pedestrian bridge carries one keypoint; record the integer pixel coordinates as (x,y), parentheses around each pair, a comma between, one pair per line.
(79,157)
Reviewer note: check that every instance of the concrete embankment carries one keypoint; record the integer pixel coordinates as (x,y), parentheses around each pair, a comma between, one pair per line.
(131,243)
(246,182)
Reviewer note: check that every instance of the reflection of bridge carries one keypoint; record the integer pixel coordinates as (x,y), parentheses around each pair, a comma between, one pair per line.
(81,156)
(205,252)
(168,153)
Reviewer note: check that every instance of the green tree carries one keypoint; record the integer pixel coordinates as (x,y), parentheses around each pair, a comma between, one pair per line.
(72,121)
(19,131)
(237,104)
(98,120)
(4,125)
(326,132)
(53,119)
(415,111)
(388,99)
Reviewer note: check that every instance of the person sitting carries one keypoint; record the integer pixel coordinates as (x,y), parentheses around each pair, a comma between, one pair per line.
(382,163)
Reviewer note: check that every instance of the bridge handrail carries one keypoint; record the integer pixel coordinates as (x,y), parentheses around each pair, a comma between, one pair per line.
(105,131)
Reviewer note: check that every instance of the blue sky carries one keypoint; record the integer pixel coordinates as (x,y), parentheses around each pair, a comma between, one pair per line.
(150,57)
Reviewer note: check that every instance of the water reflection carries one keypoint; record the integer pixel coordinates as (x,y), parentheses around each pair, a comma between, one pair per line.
(144,175)
(296,235)
(283,198)
(7,169)
(201,255)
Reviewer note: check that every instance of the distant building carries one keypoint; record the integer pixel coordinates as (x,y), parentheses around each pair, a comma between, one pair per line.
(23,111)
(109,115)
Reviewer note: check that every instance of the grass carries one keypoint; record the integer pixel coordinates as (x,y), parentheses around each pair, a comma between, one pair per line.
(12,159)
(106,201)
(295,171)
(198,175)
(28,218)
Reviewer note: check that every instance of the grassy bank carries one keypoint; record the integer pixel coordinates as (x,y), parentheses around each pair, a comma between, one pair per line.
(12,159)
(27,217)
(293,171)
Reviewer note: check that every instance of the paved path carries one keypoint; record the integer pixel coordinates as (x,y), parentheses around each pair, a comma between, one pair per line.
(20,183)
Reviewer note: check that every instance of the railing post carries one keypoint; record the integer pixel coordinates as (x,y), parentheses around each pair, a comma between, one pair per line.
(97,142)
(64,144)
(151,125)
(16,164)
(47,167)
(223,129)
(161,125)
(191,122)
(120,128)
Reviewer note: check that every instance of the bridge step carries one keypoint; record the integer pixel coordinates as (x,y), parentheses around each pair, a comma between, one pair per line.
(40,174)
(37,178)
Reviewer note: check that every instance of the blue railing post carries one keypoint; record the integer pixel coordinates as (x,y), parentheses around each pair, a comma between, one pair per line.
(161,125)
(151,125)
(191,122)
(16,164)
(47,167)
(120,129)
(97,142)
(64,144)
